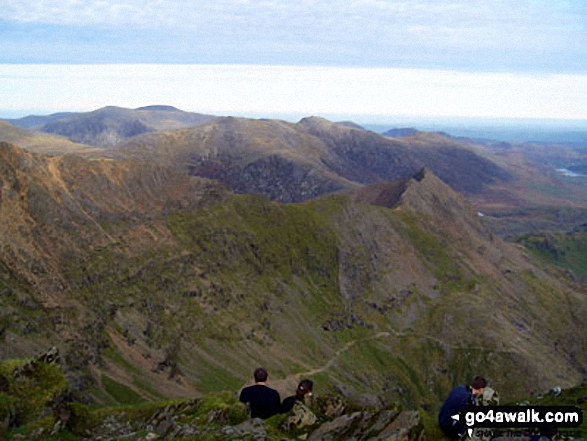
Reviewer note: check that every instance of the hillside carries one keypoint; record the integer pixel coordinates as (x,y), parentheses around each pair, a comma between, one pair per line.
(297,162)
(41,142)
(167,286)
(519,187)
(541,197)
(564,250)
(110,125)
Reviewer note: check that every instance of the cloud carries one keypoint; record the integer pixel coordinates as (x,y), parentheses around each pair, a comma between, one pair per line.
(464,34)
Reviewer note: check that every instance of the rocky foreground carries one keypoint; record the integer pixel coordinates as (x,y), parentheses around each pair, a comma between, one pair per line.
(37,403)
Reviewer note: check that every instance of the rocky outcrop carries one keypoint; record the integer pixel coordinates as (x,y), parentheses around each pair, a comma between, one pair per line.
(36,401)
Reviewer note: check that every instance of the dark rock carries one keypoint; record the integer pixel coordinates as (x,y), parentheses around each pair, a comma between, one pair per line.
(337,429)
(4,385)
(250,429)
(403,428)
(27,369)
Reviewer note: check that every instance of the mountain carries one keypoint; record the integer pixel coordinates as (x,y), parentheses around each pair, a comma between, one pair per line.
(154,284)
(41,142)
(37,121)
(296,162)
(401,133)
(567,251)
(110,125)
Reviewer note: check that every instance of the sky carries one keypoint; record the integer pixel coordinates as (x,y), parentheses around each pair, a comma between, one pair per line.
(365,59)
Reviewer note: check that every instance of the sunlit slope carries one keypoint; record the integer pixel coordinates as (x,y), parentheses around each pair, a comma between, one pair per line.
(41,142)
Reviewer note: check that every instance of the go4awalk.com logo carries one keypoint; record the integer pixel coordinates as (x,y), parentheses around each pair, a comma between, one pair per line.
(522,417)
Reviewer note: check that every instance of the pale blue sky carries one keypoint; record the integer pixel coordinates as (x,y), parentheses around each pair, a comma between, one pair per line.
(523,58)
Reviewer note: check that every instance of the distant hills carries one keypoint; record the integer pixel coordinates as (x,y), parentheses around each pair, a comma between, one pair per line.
(295,162)
(40,142)
(400,133)
(110,125)
(515,185)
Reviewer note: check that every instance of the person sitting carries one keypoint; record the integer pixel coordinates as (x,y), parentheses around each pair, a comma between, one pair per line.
(299,414)
(456,401)
(263,401)
(304,390)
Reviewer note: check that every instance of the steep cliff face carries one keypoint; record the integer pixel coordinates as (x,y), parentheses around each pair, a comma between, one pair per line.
(55,206)
(169,285)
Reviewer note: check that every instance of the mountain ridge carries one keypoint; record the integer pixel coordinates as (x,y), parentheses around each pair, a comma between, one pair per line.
(39,142)
(110,125)
(173,285)
(250,155)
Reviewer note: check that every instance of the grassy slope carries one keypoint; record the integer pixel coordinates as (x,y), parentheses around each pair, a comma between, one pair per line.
(381,278)
(170,302)
(43,143)
(568,251)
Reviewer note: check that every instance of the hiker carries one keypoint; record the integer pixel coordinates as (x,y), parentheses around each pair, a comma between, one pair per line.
(304,390)
(300,415)
(263,401)
(456,401)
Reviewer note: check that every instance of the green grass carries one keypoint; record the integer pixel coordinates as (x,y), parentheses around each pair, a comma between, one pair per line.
(110,353)
(119,392)
(576,396)
(568,251)
(435,252)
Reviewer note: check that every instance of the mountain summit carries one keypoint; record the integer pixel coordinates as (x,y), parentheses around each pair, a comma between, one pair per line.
(111,125)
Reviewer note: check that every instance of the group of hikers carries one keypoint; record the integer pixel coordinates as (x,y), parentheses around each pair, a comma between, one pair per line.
(264,402)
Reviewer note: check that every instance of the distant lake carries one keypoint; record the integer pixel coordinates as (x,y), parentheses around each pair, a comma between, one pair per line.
(570,174)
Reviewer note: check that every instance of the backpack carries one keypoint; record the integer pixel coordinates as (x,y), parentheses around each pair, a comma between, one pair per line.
(300,416)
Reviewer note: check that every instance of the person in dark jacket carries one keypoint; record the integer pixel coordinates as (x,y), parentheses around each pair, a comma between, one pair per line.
(304,390)
(456,401)
(263,401)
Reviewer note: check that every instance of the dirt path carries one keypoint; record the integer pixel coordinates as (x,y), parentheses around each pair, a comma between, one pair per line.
(288,384)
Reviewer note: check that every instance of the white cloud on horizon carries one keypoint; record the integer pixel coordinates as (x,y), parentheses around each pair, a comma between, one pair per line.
(270,90)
